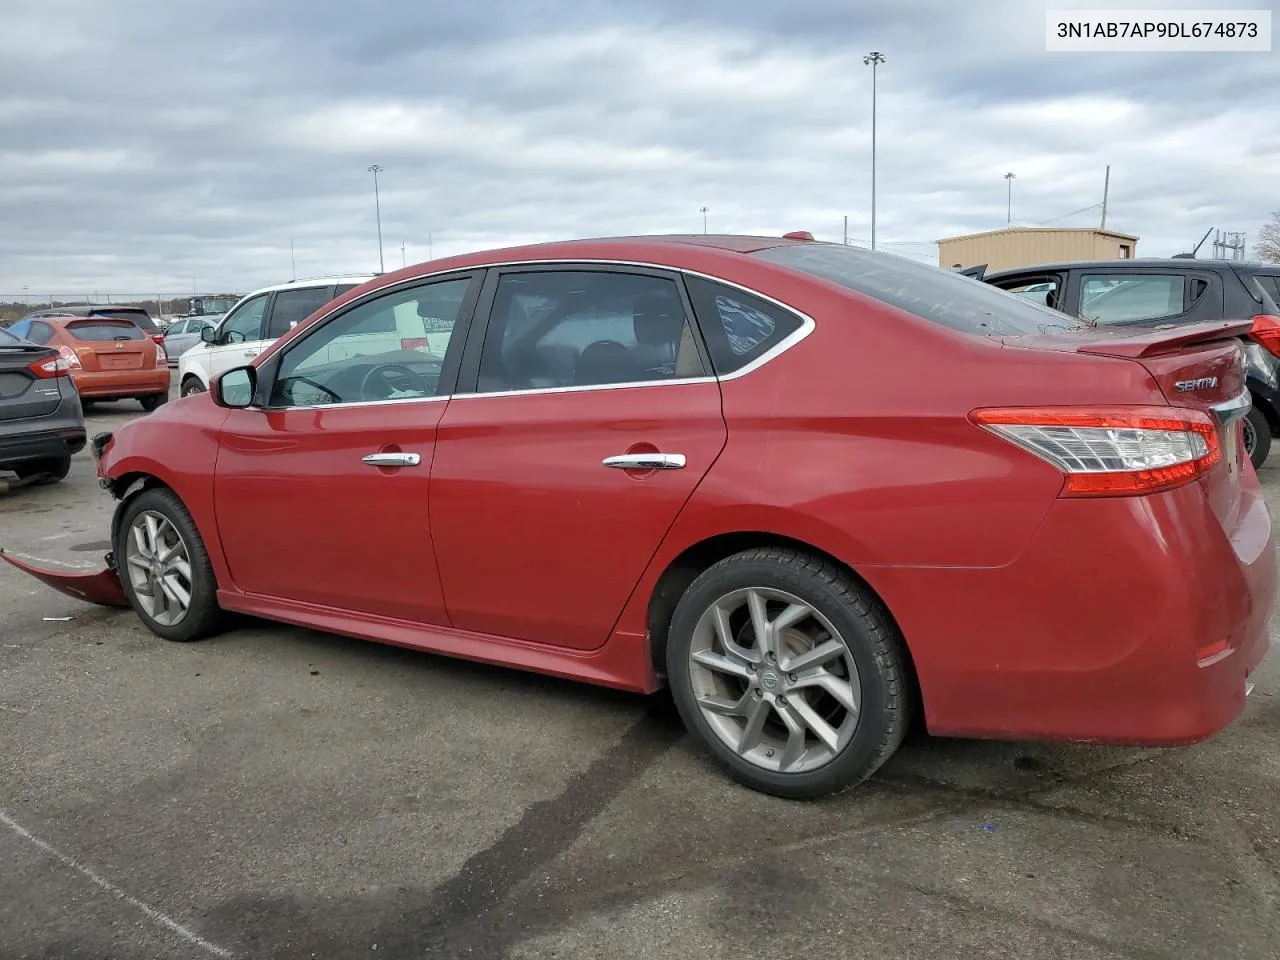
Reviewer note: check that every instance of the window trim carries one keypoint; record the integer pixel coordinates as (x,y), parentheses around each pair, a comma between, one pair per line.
(269,366)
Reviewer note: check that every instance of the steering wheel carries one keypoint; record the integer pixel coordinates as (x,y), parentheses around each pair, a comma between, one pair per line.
(394,378)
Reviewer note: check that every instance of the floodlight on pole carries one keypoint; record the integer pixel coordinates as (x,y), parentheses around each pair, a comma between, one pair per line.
(375,169)
(873,60)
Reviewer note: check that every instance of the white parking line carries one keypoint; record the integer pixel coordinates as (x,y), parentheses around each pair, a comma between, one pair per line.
(152,913)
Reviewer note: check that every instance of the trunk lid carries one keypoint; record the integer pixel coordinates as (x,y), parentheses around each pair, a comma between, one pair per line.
(103,344)
(22,393)
(1195,365)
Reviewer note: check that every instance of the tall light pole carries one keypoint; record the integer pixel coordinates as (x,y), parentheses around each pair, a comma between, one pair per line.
(375,169)
(1009,178)
(703,211)
(873,60)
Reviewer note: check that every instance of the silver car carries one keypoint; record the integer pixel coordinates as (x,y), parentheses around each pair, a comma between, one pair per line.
(183,334)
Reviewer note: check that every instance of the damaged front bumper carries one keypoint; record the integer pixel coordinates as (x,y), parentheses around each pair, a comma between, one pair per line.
(102,587)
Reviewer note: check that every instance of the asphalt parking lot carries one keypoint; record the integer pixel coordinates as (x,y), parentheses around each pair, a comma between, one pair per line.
(280,793)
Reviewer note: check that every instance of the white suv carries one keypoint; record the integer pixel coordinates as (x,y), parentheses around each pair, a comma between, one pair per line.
(252,324)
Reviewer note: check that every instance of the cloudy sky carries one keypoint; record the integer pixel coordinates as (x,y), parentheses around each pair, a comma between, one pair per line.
(149,144)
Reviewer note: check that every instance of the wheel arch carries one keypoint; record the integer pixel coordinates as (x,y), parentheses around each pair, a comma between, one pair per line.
(682,570)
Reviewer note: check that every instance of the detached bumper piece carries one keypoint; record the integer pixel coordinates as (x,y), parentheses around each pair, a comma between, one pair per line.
(102,587)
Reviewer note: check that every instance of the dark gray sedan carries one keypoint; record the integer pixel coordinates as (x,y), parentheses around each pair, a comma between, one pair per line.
(41,421)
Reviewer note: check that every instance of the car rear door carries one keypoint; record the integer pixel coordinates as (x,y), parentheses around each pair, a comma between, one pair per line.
(321,488)
(586,416)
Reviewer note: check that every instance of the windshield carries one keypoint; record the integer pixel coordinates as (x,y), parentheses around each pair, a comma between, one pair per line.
(940,296)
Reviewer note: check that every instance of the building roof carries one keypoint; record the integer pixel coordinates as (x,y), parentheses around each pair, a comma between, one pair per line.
(992,233)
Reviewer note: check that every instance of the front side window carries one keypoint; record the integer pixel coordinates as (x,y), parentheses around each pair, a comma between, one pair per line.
(389,348)
(245,323)
(294,306)
(1129,298)
(568,328)
(1042,291)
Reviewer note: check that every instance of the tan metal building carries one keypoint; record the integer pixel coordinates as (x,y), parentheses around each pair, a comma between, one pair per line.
(1020,246)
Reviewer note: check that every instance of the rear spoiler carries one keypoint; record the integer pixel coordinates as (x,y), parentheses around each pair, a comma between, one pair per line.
(1149,342)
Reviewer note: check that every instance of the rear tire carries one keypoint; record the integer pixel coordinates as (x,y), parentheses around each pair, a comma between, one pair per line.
(51,470)
(1257,436)
(152,401)
(155,526)
(191,386)
(782,716)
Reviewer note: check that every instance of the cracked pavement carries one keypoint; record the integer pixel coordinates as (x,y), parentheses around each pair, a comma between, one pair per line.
(279,793)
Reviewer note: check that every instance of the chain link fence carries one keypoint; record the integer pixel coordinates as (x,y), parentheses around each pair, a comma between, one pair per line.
(14,306)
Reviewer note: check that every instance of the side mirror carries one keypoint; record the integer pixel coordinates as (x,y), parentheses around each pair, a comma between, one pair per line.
(209,334)
(235,388)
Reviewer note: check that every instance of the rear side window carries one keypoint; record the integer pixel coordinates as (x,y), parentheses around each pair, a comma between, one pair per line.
(940,296)
(738,327)
(1271,286)
(293,306)
(104,330)
(40,332)
(1121,298)
(342,288)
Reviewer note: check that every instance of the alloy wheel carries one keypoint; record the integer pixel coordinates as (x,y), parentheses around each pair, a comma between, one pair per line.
(774,680)
(159,568)
(1250,435)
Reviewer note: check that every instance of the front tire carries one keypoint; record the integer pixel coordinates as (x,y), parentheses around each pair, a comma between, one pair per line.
(789,673)
(191,386)
(153,401)
(1257,436)
(164,567)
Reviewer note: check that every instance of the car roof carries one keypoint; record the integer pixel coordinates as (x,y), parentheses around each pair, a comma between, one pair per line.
(61,318)
(1140,263)
(86,309)
(309,282)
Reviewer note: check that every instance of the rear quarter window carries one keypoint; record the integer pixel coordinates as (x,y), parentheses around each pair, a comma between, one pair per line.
(739,328)
(104,331)
(939,296)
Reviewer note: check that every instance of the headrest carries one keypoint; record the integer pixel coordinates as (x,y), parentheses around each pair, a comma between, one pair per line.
(658,320)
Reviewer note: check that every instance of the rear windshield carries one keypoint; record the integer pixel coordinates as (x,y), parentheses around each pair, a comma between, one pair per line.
(139,317)
(940,296)
(105,330)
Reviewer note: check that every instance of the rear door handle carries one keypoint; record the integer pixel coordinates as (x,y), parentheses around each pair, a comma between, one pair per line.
(392,459)
(646,461)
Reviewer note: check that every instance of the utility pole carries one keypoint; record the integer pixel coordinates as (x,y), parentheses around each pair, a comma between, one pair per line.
(375,169)
(403,261)
(1106,189)
(846,229)
(704,210)
(1009,178)
(873,60)
(293,261)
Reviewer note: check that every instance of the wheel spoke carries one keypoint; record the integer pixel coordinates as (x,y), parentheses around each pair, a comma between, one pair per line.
(140,562)
(176,590)
(722,664)
(724,706)
(794,613)
(760,622)
(794,749)
(140,538)
(820,654)
(724,633)
(181,566)
(821,729)
(841,690)
(756,716)
(153,534)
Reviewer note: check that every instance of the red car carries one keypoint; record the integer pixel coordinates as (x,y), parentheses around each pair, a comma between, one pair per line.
(815,490)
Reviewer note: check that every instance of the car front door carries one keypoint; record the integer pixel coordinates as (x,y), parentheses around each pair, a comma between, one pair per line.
(591,420)
(239,336)
(321,487)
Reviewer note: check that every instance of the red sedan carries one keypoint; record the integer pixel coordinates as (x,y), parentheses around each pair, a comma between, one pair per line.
(809,487)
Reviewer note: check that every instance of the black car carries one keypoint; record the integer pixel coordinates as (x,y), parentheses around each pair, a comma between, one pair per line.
(41,422)
(1178,290)
(136,315)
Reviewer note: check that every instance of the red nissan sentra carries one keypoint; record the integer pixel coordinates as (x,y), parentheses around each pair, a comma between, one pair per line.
(807,486)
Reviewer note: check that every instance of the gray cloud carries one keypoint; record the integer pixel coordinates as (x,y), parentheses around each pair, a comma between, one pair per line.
(144,143)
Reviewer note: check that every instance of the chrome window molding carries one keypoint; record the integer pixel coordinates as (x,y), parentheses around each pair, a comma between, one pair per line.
(806,327)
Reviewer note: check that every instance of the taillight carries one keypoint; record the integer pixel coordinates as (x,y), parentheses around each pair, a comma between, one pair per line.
(158,338)
(1113,452)
(415,343)
(162,358)
(49,368)
(1266,331)
(69,355)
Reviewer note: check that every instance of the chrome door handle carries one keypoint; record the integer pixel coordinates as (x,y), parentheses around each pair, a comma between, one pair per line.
(646,461)
(392,459)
